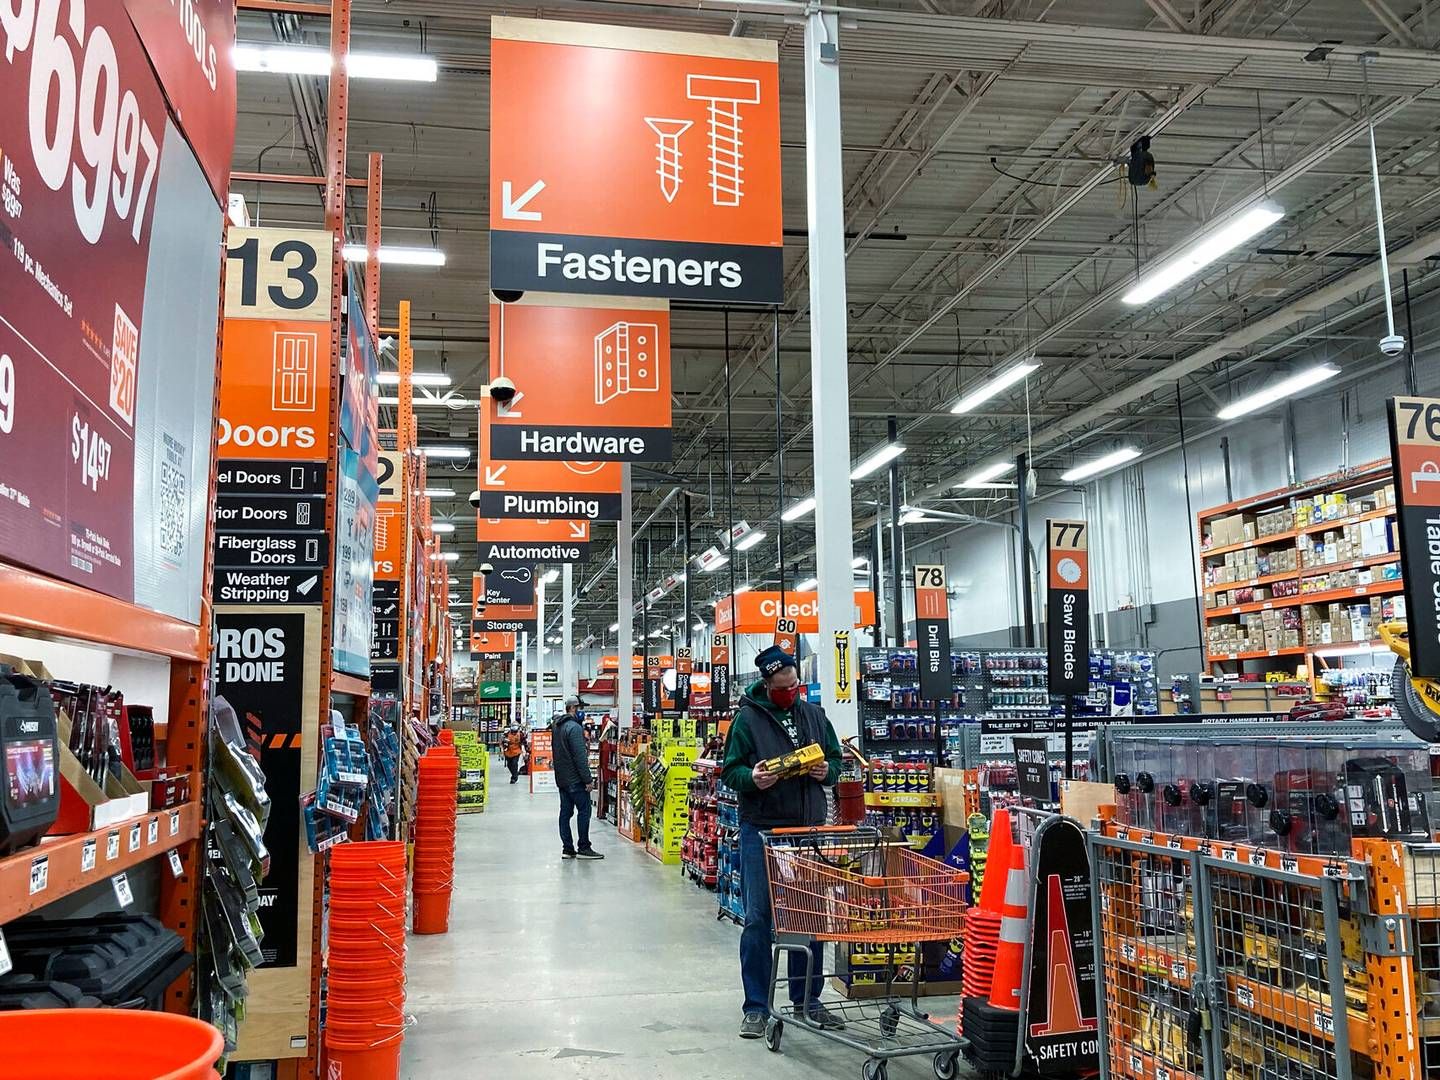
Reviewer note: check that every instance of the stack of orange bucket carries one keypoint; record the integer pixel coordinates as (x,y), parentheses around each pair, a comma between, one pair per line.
(365,1011)
(435,839)
(982,922)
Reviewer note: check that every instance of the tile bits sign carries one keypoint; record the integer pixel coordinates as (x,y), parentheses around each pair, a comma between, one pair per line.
(615,354)
(1060,1024)
(1415,451)
(680,131)
(579,490)
(932,633)
(720,673)
(1067,609)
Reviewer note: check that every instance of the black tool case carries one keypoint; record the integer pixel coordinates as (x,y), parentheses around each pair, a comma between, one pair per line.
(123,961)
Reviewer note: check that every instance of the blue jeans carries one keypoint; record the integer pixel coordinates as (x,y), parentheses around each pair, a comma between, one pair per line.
(575,800)
(755,940)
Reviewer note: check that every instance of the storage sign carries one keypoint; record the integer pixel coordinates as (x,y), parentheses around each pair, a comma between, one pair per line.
(681,134)
(1067,621)
(1415,451)
(614,355)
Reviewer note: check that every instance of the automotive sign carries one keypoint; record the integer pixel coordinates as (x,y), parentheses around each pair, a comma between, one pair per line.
(681,134)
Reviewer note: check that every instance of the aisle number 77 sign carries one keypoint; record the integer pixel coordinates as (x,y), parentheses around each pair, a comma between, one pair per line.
(680,131)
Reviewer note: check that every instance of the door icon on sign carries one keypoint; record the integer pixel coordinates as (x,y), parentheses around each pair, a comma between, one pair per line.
(296,371)
(626,361)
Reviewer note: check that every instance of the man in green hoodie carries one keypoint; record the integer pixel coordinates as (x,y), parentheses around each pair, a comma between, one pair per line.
(773,719)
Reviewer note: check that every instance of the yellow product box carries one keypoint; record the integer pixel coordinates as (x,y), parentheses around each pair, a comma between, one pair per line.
(796,762)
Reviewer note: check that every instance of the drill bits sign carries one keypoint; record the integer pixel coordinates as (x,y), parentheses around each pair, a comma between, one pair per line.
(681,132)
(612,359)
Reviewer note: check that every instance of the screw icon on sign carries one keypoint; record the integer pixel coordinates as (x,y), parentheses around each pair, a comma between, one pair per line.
(667,152)
(725,95)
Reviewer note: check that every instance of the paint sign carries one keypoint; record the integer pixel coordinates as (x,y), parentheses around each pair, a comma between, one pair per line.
(680,132)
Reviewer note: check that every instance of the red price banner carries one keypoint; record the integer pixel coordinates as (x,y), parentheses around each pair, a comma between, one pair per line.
(80,142)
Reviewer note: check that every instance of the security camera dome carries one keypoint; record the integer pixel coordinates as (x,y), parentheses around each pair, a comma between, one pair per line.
(487,568)
(502,390)
(475,498)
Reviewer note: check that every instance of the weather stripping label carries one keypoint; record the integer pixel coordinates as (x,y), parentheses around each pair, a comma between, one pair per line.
(524,261)
(239,586)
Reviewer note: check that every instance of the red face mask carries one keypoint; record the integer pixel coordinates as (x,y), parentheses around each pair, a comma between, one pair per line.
(785,698)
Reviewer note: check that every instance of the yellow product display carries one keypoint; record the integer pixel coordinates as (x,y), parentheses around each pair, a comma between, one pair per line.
(795,762)
(474,772)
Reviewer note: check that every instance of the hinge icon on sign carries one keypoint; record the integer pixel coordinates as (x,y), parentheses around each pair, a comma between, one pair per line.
(626,361)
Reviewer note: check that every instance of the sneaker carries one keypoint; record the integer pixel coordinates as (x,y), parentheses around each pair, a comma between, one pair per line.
(821,1017)
(588,853)
(567,854)
(753,1026)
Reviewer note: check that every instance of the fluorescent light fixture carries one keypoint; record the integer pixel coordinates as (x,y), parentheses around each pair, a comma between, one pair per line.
(282,59)
(983,477)
(745,587)
(439,493)
(454,581)
(418,378)
(875,459)
(913,515)
(549,576)
(311,60)
(1276,391)
(445,556)
(808,584)
(393,255)
(1100,464)
(614,626)
(1188,263)
(448,401)
(860,562)
(745,543)
(717,564)
(799,509)
(994,385)
(457,452)
(442,527)
(699,624)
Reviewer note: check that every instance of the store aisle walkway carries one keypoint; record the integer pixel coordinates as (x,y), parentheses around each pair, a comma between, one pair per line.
(606,970)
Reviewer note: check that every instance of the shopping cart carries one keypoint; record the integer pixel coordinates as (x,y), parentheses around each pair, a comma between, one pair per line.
(849,884)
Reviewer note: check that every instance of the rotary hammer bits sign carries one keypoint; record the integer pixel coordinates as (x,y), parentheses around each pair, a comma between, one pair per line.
(1067,620)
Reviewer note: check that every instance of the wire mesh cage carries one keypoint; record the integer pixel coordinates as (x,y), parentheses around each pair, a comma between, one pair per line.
(851,885)
(1287,961)
(1147,932)
(1423,890)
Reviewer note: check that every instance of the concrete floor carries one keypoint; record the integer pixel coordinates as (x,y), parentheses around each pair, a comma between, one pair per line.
(604,970)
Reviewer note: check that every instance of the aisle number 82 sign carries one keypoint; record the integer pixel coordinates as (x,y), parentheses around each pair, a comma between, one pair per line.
(278,274)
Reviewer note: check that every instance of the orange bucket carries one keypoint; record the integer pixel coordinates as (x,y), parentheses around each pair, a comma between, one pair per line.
(432,912)
(446,737)
(375,1063)
(107,1044)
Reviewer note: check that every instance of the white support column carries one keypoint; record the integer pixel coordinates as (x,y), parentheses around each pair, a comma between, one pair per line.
(829,358)
(625,608)
(520,675)
(542,710)
(568,685)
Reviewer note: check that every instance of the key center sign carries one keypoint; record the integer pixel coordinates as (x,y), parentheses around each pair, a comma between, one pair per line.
(681,132)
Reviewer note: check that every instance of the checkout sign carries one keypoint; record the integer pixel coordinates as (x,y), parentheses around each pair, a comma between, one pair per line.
(1415,452)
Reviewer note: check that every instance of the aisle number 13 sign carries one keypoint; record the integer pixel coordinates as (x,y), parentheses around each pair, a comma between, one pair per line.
(278,274)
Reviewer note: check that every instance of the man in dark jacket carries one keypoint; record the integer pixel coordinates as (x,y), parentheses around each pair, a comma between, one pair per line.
(572,777)
(772,719)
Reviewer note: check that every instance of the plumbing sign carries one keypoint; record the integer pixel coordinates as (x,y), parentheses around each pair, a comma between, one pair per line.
(681,134)
(615,354)
(578,490)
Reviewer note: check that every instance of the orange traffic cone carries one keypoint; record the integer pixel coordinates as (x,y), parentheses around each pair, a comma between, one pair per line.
(1010,955)
(997,860)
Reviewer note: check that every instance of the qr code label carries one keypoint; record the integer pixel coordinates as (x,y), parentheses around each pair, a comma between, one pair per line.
(173,507)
